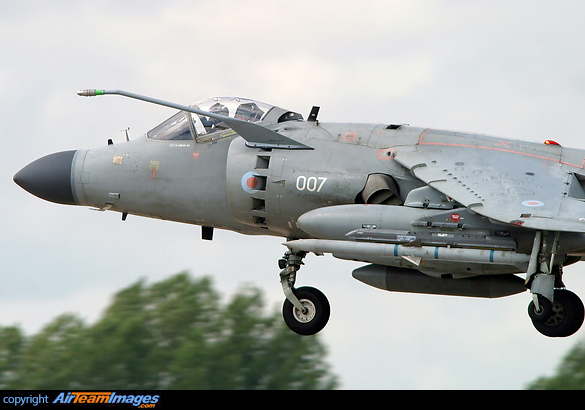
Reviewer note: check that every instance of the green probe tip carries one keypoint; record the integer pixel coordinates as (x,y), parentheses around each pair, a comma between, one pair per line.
(90,92)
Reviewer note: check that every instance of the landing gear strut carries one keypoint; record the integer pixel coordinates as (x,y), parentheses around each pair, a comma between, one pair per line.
(305,310)
(554,311)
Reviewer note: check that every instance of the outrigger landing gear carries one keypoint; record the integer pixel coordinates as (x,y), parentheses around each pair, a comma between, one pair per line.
(554,311)
(305,310)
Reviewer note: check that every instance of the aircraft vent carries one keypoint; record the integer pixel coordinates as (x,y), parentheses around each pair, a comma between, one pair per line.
(576,186)
(380,189)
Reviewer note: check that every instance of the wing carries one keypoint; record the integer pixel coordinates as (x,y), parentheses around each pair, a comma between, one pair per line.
(509,181)
(254,134)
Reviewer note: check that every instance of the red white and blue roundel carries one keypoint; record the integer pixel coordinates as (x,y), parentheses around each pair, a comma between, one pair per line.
(533,203)
(250,182)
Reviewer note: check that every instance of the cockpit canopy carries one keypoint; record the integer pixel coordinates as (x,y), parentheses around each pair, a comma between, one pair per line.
(188,126)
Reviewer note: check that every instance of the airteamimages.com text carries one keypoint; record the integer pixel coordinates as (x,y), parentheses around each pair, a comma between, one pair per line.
(81,398)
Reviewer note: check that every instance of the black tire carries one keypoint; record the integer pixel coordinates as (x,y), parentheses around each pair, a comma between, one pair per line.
(566,318)
(579,312)
(545,311)
(316,316)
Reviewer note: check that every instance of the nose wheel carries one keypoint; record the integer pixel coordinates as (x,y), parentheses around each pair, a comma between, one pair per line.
(305,310)
(314,314)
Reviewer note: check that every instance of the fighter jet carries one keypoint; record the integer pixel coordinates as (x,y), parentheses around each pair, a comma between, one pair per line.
(430,211)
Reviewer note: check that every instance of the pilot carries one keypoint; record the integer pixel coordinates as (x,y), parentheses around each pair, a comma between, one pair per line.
(249,112)
(211,124)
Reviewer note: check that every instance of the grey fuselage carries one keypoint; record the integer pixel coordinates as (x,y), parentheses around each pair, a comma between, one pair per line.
(338,181)
(202,183)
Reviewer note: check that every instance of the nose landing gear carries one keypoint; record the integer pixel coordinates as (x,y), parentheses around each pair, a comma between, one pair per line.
(314,315)
(305,310)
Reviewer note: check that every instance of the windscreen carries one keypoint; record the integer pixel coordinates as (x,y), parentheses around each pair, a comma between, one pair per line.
(175,128)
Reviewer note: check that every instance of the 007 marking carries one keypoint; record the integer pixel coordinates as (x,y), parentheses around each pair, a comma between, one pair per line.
(312,184)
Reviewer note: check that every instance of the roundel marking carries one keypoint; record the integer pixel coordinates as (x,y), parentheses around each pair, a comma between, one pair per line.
(250,182)
(533,203)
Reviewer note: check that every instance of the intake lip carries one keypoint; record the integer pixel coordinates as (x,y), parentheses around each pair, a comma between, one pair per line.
(49,178)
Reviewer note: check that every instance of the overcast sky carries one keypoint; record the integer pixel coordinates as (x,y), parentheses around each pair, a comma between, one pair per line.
(514,69)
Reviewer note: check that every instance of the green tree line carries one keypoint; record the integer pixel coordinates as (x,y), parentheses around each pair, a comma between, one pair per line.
(569,375)
(174,334)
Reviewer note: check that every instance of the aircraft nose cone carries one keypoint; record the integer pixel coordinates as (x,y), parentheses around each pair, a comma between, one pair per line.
(49,178)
